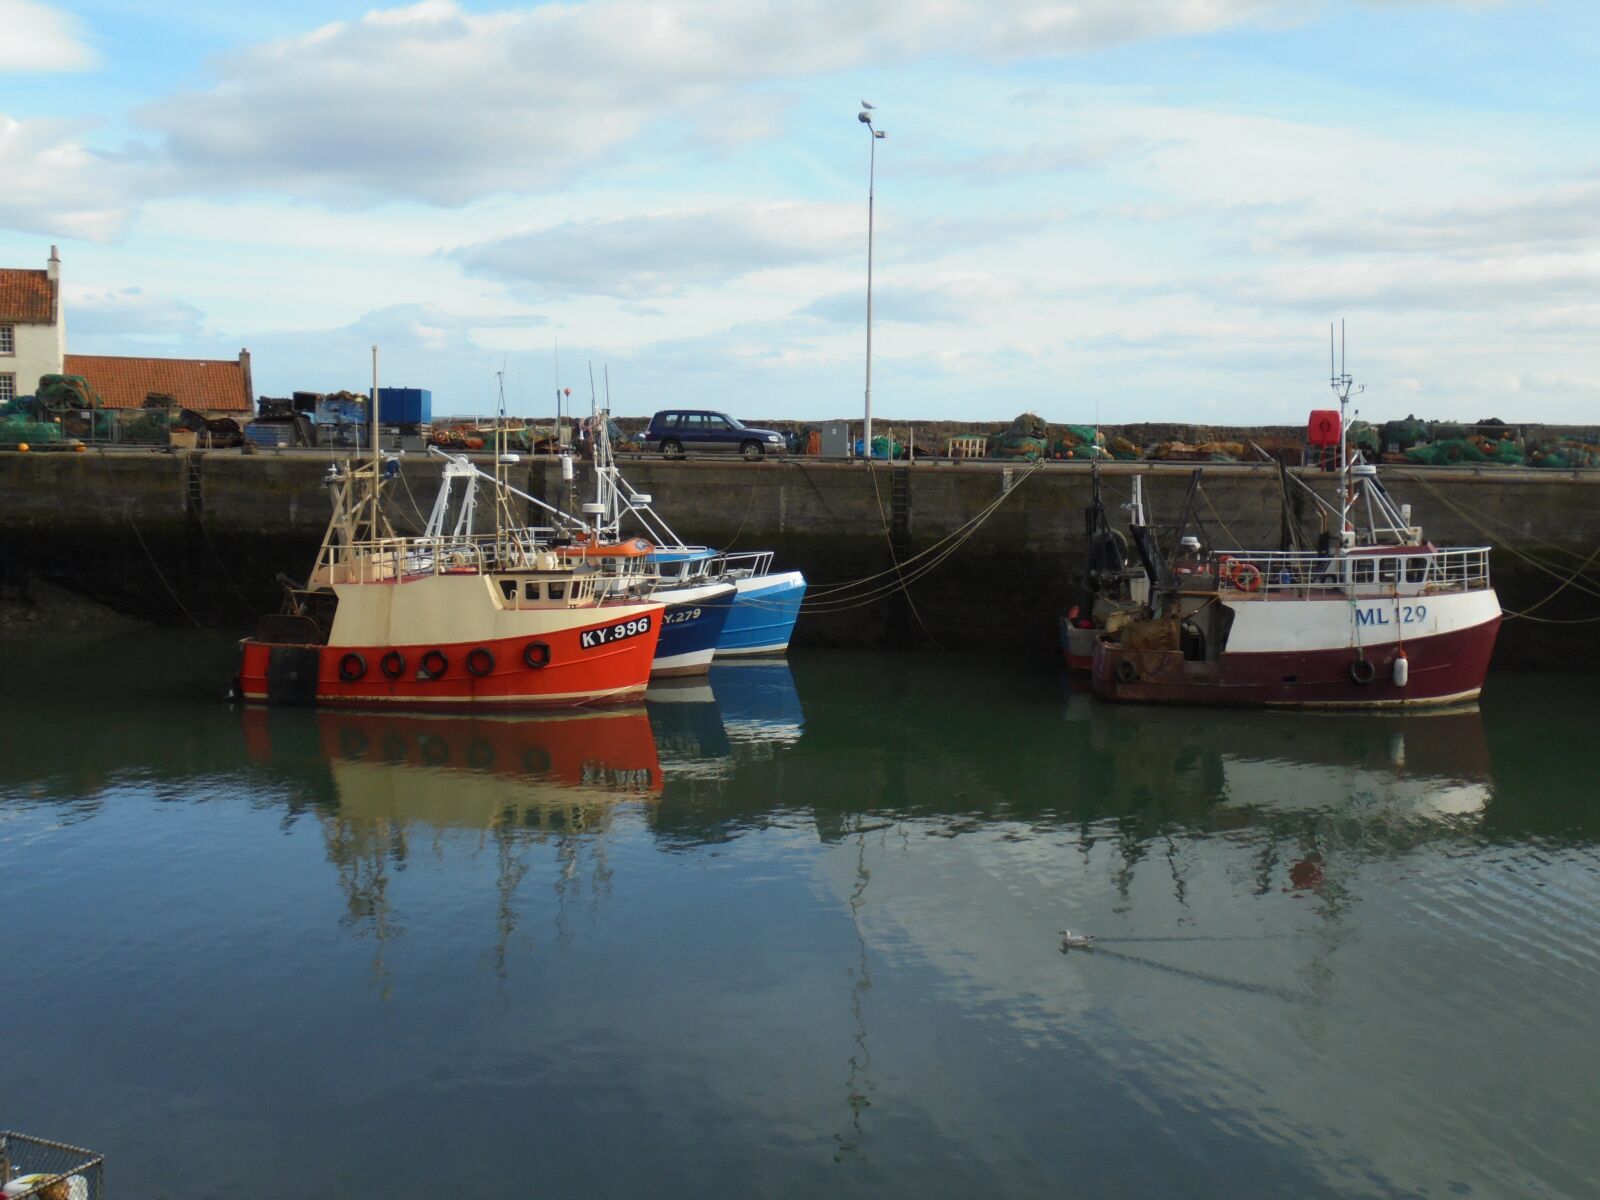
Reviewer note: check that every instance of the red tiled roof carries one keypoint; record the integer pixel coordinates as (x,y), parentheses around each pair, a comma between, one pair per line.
(205,385)
(26,297)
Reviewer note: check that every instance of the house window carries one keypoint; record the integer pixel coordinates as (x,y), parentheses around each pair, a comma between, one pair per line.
(8,388)
(8,339)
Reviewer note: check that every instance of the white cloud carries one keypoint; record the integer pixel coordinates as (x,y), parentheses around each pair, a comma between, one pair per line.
(435,103)
(51,183)
(661,255)
(1564,218)
(129,312)
(40,38)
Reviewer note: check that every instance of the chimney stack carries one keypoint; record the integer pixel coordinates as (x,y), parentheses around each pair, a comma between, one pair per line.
(249,384)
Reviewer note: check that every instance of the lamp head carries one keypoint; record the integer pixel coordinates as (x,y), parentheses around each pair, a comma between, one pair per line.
(879,133)
(864,118)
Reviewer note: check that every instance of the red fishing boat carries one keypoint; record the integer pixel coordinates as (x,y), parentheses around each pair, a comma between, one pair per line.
(452,618)
(1371,616)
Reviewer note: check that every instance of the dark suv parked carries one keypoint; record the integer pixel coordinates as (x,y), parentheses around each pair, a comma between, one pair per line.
(675,430)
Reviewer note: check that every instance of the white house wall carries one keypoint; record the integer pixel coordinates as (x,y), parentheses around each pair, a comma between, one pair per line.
(40,349)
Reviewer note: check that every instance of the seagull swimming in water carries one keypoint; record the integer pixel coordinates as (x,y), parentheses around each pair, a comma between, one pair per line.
(1076,941)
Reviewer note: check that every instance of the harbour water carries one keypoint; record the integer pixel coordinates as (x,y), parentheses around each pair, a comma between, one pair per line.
(794,931)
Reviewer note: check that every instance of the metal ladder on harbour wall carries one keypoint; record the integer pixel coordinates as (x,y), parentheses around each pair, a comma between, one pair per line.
(897,624)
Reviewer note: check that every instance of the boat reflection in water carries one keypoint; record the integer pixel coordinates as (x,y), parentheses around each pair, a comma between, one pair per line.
(1417,767)
(527,769)
(742,711)
(758,703)
(556,781)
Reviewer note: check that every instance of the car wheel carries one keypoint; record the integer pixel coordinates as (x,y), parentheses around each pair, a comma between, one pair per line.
(671,449)
(751,451)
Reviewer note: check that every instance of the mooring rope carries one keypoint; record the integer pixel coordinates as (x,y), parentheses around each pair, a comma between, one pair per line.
(157,568)
(888,538)
(1554,572)
(939,552)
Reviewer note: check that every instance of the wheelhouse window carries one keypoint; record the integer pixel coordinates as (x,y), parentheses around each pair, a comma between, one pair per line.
(1361,570)
(1416,569)
(1388,570)
(508,588)
(8,339)
(558,591)
(530,591)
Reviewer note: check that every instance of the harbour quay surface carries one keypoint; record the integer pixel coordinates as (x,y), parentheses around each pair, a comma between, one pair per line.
(181,537)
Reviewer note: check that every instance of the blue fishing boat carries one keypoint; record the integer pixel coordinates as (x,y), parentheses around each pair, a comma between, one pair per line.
(692,628)
(764,607)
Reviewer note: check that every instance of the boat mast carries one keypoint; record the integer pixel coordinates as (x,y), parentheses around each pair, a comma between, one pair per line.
(1339,380)
(377,452)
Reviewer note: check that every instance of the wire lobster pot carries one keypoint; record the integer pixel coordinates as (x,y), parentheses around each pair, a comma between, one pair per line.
(34,1168)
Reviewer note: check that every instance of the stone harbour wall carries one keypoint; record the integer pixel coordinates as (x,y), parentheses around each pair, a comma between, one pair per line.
(202,537)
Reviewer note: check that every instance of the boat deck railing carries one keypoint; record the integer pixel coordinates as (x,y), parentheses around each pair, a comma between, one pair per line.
(748,564)
(379,559)
(1308,575)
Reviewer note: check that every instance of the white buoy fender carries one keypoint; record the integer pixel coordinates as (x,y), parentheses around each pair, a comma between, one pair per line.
(1402,669)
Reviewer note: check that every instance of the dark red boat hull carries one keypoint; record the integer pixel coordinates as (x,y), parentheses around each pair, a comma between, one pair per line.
(1445,668)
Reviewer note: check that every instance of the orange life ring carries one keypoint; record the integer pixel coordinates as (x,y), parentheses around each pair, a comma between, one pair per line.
(1245,576)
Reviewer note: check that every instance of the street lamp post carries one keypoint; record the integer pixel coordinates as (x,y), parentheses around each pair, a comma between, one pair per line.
(865,117)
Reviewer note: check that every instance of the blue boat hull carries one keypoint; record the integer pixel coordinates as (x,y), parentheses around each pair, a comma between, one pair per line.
(763,615)
(691,628)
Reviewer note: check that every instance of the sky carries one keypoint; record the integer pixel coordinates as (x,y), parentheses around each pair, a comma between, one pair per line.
(1113,210)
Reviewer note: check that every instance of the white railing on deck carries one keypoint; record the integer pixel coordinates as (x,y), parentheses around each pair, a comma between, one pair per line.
(1308,575)
(406,558)
(748,565)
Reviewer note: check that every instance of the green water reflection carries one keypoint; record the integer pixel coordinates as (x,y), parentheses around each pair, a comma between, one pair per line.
(793,931)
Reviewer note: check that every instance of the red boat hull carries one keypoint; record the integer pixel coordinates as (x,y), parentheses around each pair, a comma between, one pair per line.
(1445,668)
(573,674)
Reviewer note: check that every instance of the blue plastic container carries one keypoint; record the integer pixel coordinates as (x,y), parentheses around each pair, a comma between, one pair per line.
(405,406)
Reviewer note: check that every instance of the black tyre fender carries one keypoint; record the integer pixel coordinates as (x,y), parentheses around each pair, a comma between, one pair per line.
(352,667)
(434,664)
(536,655)
(392,664)
(1362,671)
(480,661)
(1126,671)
